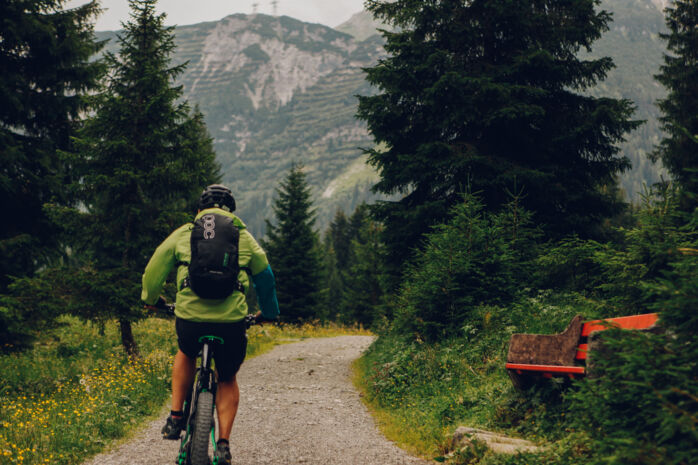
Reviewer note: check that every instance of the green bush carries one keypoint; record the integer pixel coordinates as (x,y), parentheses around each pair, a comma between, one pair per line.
(570,264)
(29,309)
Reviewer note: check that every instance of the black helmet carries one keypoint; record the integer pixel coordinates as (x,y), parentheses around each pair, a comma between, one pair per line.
(217,195)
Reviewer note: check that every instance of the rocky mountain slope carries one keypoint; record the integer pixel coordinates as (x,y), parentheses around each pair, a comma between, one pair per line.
(276,90)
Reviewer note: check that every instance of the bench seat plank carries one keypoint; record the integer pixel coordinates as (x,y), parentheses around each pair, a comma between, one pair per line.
(546,368)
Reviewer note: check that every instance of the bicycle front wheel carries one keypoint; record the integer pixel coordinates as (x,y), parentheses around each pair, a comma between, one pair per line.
(203,424)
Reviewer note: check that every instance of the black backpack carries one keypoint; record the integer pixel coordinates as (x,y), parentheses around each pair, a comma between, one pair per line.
(214,267)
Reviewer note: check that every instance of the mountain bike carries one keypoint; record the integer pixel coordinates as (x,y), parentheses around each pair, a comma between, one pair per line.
(200,402)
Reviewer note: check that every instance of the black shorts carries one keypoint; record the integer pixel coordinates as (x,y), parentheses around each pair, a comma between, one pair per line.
(228,356)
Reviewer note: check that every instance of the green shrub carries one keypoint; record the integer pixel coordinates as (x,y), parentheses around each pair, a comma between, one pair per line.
(29,309)
(641,406)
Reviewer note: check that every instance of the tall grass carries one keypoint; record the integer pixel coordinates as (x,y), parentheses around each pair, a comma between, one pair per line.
(76,391)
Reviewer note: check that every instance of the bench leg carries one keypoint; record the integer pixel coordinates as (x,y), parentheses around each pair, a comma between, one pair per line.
(520,382)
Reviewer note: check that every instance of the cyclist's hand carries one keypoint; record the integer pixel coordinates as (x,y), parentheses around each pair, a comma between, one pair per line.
(161,303)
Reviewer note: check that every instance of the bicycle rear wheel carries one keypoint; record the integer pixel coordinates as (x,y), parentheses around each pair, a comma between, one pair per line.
(202,429)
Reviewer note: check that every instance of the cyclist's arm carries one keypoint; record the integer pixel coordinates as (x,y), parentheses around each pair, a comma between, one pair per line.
(265,286)
(263,280)
(159,266)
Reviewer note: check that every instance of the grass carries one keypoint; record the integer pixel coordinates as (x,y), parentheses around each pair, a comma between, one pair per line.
(76,391)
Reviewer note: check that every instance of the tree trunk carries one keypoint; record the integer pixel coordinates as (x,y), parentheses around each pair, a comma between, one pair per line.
(127,340)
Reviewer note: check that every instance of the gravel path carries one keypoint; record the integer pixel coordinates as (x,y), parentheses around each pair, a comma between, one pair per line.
(297,406)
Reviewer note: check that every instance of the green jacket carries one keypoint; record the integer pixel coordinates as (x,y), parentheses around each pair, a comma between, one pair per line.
(176,248)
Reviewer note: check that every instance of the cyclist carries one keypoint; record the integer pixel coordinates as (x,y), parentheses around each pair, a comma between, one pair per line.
(197,316)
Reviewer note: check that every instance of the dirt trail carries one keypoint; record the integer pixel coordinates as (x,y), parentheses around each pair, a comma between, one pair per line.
(297,406)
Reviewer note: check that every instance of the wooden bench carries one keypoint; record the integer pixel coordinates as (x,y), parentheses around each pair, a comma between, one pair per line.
(564,354)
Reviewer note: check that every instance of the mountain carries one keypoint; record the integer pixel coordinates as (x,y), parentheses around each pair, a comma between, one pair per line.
(361,26)
(276,91)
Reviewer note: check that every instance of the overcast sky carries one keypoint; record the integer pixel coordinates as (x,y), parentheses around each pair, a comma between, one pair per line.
(328,12)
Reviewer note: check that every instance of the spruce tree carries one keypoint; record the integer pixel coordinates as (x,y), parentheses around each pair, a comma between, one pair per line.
(364,279)
(143,159)
(336,254)
(333,284)
(291,244)
(341,238)
(679,74)
(490,96)
(340,260)
(47,68)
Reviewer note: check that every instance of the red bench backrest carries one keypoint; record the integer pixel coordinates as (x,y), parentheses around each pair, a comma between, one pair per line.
(624,322)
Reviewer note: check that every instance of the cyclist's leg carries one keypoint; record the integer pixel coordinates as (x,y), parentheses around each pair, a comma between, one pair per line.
(229,357)
(227,401)
(183,372)
(184,367)
(182,377)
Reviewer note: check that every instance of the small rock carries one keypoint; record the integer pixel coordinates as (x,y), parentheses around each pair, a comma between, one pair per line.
(498,443)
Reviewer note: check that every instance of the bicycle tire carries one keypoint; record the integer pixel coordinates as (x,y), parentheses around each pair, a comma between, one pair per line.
(202,429)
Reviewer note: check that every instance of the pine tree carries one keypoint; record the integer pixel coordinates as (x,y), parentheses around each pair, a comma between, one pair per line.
(476,258)
(334,285)
(45,58)
(679,74)
(490,95)
(340,235)
(143,160)
(364,280)
(291,244)
(336,255)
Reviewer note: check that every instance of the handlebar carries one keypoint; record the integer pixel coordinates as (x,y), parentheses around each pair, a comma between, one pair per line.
(162,308)
(251,320)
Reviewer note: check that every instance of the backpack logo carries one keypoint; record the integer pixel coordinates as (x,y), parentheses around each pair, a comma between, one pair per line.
(209,226)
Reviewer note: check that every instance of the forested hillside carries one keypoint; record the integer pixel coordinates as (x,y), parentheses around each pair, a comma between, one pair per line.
(275,91)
